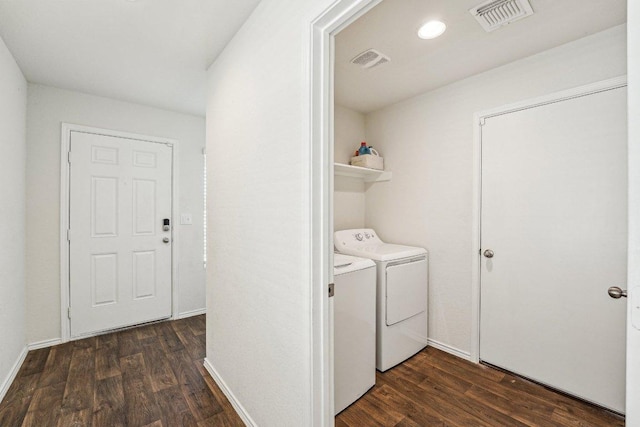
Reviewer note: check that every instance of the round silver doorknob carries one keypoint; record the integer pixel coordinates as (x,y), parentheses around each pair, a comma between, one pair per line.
(165,239)
(488,253)
(616,292)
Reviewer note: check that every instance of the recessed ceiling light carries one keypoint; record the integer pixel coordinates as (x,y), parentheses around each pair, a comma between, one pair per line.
(431,30)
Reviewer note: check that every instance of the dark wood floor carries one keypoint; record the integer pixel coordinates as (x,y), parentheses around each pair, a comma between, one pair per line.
(434,388)
(153,376)
(149,376)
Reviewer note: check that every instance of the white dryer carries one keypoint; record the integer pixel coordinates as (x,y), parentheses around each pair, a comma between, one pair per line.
(402,293)
(354,325)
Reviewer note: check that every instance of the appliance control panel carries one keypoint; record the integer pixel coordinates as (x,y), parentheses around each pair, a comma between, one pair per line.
(356,238)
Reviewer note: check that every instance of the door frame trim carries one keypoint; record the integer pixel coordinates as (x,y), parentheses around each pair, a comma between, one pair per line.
(323,29)
(65,138)
(478,121)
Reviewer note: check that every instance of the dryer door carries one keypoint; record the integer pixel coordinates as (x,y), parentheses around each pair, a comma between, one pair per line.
(407,286)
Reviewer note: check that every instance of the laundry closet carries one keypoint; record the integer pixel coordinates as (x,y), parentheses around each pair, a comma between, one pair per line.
(504,151)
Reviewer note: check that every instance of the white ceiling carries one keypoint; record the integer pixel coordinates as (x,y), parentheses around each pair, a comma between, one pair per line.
(465,49)
(152,52)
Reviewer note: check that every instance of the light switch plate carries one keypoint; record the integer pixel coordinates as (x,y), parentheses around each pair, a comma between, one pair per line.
(186,219)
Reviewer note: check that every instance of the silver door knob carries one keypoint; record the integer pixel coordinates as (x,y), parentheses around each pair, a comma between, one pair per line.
(488,253)
(165,239)
(616,292)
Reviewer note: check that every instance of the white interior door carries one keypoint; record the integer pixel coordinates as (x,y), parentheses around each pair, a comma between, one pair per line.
(633,319)
(120,256)
(554,213)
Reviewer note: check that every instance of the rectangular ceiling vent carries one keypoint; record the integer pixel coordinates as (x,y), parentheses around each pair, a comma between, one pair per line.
(370,58)
(494,14)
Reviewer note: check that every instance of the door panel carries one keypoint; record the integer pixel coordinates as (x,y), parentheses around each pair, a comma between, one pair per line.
(633,319)
(120,268)
(554,200)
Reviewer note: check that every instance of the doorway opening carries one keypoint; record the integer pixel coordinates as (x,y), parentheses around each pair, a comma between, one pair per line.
(426,136)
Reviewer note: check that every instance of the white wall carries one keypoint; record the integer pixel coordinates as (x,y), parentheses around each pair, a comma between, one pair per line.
(13,113)
(47,108)
(348,130)
(427,143)
(258,274)
(633,284)
(349,193)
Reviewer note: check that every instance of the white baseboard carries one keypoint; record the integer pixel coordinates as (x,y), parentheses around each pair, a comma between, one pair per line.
(44,344)
(4,387)
(448,349)
(191,313)
(244,415)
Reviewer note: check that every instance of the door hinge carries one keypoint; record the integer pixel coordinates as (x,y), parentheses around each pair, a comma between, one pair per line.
(69,312)
(68,235)
(204,151)
(69,157)
(483,120)
(331,289)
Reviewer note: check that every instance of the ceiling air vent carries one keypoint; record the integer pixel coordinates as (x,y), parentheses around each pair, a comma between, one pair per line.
(494,14)
(370,58)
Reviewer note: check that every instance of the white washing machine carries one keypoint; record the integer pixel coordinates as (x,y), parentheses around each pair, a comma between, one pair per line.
(402,292)
(354,326)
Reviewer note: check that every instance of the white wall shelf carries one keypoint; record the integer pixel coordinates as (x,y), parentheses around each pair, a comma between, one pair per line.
(366,174)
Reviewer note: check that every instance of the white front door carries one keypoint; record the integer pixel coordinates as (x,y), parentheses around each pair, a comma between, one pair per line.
(554,213)
(120,256)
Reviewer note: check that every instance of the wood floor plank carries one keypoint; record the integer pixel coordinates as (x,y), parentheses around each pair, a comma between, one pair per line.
(108,402)
(219,395)
(356,415)
(421,414)
(141,407)
(78,393)
(221,420)
(194,388)
(75,419)
(107,362)
(437,376)
(181,324)
(569,405)
(44,409)
(56,368)
(128,343)
(107,340)
(528,412)
(145,332)
(12,413)
(154,424)
(407,422)
(160,373)
(567,418)
(168,338)
(194,345)
(380,410)
(23,387)
(34,362)
(197,327)
(444,406)
(90,342)
(174,408)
